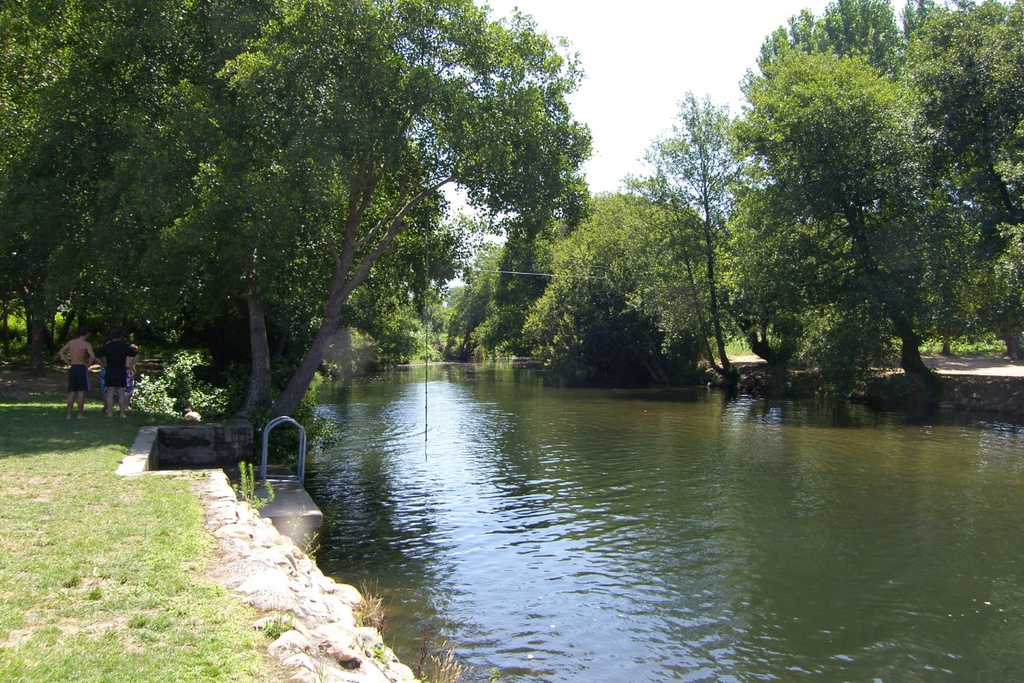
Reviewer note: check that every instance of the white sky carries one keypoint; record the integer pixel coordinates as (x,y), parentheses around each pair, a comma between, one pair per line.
(642,56)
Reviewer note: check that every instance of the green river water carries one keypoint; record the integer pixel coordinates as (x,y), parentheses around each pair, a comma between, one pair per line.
(613,536)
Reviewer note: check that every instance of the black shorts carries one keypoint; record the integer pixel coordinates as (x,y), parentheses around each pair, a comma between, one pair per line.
(78,378)
(116,378)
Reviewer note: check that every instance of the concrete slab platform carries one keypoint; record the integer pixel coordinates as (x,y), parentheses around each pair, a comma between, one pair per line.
(292,511)
(141,455)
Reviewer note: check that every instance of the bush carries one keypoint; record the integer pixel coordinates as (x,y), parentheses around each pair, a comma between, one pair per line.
(179,386)
(846,346)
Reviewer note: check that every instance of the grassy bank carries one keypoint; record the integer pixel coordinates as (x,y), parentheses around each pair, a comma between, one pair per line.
(101,577)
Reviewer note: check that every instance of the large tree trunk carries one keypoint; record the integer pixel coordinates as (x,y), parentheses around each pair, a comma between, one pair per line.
(36,341)
(298,384)
(879,283)
(347,276)
(258,398)
(1013,345)
(291,397)
(910,347)
(910,357)
(757,340)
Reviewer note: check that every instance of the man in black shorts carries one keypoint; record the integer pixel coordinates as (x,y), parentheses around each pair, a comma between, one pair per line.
(78,354)
(114,354)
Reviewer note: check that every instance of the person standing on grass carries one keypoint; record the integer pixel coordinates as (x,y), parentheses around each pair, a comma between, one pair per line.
(129,385)
(115,354)
(79,355)
(129,379)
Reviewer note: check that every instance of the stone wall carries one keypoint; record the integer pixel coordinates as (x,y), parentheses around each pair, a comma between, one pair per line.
(201,446)
(999,397)
(322,641)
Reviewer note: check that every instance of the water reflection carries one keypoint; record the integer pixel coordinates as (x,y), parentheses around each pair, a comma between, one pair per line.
(575,535)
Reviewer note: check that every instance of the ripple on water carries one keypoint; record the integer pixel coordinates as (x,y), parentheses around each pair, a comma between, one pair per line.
(593,536)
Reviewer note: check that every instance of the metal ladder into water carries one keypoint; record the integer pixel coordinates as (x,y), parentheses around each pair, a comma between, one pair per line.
(290,508)
(301,467)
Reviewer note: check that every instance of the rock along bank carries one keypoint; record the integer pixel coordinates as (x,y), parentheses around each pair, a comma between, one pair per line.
(320,640)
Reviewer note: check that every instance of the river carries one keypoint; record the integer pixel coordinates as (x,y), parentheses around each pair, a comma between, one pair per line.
(612,536)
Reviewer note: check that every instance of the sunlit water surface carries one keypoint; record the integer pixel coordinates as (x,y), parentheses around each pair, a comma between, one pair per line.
(625,536)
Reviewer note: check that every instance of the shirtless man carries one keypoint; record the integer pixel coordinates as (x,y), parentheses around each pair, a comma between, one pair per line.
(79,355)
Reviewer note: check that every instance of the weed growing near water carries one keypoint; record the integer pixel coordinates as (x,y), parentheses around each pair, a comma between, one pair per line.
(441,667)
(246,488)
(373,612)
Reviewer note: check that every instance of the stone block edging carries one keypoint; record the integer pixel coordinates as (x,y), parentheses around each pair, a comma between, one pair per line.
(269,572)
(265,569)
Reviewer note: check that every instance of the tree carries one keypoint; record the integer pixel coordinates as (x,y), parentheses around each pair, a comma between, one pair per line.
(917,14)
(471,306)
(773,276)
(71,80)
(693,173)
(276,155)
(967,67)
(34,212)
(523,265)
(612,311)
(351,117)
(848,28)
(595,322)
(834,142)
(865,28)
(107,100)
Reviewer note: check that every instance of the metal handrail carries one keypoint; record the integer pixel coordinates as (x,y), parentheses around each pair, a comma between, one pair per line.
(284,419)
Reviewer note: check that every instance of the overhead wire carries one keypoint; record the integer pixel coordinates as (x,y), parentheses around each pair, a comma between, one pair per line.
(565,275)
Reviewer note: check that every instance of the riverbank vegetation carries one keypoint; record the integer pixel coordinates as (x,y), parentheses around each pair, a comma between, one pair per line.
(265,185)
(868,201)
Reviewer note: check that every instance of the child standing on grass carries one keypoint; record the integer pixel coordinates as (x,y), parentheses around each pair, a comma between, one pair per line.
(129,389)
(79,355)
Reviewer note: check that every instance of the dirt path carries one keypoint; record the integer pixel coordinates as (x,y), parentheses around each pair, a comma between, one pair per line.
(992,366)
(995,366)
(19,384)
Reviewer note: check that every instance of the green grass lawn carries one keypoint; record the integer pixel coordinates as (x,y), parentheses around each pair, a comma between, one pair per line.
(101,577)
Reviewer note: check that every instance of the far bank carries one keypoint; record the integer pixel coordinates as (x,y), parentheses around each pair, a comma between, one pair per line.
(972,384)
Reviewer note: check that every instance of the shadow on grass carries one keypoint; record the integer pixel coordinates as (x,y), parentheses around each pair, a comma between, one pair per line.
(30,428)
